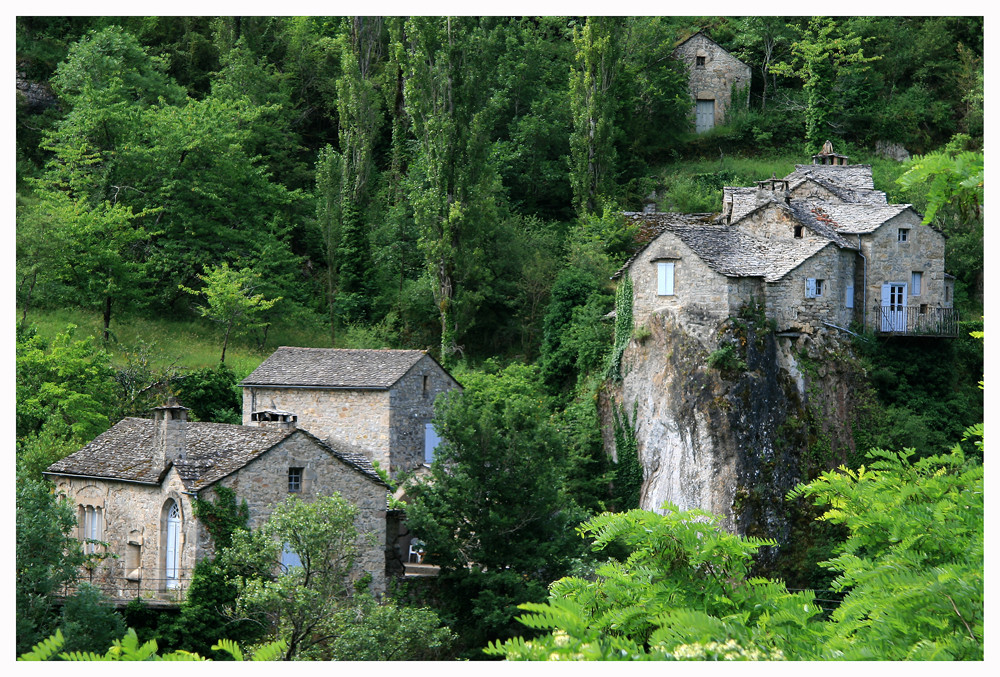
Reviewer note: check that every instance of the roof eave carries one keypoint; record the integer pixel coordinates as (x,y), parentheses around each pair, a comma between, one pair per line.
(99,477)
(315,387)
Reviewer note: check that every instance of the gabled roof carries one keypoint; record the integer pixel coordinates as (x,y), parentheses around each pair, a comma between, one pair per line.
(704,35)
(849,177)
(212,452)
(857,218)
(333,368)
(847,195)
(731,251)
(744,200)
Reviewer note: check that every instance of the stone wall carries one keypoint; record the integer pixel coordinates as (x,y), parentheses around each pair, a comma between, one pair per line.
(717,77)
(890,260)
(359,419)
(412,402)
(385,425)
(701,295)
(773,221)
(134,515)
(788,305)
(264,482)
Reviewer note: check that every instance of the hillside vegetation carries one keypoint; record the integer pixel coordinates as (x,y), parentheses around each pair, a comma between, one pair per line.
(194,191)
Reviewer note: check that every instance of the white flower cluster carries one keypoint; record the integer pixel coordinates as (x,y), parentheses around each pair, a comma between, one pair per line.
(730,651)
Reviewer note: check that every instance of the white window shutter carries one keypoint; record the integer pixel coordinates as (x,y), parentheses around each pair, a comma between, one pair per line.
(849,296)
(810,287)
(665,278)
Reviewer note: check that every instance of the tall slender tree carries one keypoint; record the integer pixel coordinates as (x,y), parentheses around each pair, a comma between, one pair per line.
(594,107)
(451,97)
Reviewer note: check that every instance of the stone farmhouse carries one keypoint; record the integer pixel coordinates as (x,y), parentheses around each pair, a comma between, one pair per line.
(818,248)
(713,76)
(134,486)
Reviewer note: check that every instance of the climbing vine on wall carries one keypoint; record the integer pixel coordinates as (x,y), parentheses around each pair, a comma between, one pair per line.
(222,516)
(628,472)
(623,326)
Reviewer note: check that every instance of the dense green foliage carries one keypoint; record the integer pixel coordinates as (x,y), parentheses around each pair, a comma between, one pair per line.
(47,558)
(455,184)
(128,648)
(406,173)
(912,567)
(498,479)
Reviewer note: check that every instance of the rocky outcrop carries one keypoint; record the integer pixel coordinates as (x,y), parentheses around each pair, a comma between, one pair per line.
(730,424)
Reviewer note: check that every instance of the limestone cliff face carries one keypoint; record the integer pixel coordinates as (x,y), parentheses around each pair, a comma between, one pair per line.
(733,438)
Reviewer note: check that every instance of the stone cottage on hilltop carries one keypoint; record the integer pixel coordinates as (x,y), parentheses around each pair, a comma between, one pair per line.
(134,486)
(713,75)
(820,247)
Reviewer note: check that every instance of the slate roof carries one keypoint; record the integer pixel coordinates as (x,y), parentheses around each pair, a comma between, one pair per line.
(333,368)
(212,451)
(849,177)
(731,251)
(857,218)
(744,200)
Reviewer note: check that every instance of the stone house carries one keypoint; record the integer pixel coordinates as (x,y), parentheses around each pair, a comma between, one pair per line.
(313,422)
(819,247)
(134,488)
(379,403)
(713,75)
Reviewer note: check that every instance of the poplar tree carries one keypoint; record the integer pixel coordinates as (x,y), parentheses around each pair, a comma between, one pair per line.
(451,97)
(594,106)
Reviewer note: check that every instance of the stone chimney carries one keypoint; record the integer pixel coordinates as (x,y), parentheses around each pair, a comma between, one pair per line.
(274,418)
(169,432)
(773,189)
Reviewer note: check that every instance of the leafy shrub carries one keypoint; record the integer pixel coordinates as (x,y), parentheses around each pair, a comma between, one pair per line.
(726,359)
(212,395)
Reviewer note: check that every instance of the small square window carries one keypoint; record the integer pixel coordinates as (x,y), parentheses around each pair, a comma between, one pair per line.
(814,288)
(294,480)
(699,61)
(904,235)
(923,308)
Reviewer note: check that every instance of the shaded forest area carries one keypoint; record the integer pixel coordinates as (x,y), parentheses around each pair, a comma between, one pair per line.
(429,177)
(452,184)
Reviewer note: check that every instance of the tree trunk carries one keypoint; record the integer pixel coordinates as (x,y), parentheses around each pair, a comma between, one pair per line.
(107,318)
(225,343)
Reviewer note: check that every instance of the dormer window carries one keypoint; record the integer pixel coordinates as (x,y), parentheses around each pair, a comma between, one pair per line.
(699,62)
(903,235)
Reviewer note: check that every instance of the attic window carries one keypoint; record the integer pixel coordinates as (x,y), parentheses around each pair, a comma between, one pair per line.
(798,231)
(665,278)
(699,62)
(294,480)
(904,235)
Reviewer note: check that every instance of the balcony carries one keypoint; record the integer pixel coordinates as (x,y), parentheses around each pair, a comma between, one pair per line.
(898,320)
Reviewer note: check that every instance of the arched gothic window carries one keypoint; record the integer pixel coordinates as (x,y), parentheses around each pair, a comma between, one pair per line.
(172,545)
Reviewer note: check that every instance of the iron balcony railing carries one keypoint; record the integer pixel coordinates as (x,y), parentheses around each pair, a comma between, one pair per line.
(151,588)
(916,321)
